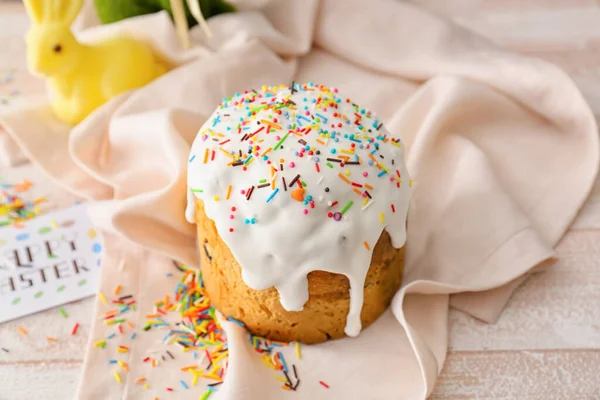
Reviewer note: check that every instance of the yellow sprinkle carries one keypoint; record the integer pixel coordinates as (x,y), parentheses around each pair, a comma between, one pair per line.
(280,378)
(347,151)
(146,386)
(381,218)
(195,380)
(99,343)
(117,377)
(123,365)
(347,172)
(298,351)
(102,298)
(23,331)
(205,155)
(228,154)
(228,192)
(216,198)
(365,201)
(410,183)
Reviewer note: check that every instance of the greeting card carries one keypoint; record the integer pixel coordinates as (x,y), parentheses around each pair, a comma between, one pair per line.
(51,260)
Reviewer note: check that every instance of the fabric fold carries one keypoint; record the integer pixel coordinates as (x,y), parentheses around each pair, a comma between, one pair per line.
(503,151)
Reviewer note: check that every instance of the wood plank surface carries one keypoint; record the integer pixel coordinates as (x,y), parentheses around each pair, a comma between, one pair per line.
(545,345)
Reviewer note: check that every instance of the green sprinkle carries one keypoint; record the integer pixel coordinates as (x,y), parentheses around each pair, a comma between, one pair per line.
(16,300)
(38,294)
(329,165)
(258,108)
(304,184)
(347,206)
(197,190)
(262,181)
(61,288)
(82,282)
(63,312)
(206,394)
(280,141)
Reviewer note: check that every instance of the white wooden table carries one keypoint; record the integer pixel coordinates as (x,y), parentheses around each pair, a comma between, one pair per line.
(547,342)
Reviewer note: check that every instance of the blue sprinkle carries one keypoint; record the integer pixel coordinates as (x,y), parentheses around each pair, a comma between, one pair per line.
(195,355)
(184,385)
(253,221)
(305,202)
(316,159)
(112,361)
(235,321)
(285,368)
(332,151)
(97,248)
(265,158)
(309,198)
(192,159)
(322,117)
(133,335)
(381,173)
(246,221)
(370,162)
(112,335)
(272,195)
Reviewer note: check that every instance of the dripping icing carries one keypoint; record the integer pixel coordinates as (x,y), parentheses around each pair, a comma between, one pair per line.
(297,210)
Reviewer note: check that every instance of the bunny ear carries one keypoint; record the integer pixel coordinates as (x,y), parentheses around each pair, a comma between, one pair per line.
(67,10)
(36,9)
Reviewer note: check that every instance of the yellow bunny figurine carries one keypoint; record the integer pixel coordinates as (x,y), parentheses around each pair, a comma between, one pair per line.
(81,77)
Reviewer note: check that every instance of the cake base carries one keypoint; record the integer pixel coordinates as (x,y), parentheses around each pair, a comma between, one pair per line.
(324,314)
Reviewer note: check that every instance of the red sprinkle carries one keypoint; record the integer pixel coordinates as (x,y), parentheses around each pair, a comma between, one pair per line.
(393,208)
(324,384)
(317,167)
(74,331)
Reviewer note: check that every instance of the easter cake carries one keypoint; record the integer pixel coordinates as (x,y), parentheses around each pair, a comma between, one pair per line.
(300,198)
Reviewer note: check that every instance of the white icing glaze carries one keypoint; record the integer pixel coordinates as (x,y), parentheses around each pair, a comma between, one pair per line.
(275,238)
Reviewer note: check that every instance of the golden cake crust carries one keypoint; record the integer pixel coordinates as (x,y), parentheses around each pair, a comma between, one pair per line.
(324,314)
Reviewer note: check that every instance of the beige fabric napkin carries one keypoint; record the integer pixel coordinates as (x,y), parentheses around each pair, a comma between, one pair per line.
(503,151)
